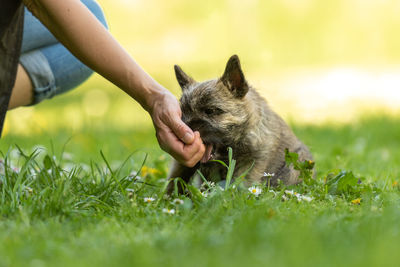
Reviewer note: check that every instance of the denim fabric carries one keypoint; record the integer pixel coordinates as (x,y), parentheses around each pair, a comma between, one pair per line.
(51,67)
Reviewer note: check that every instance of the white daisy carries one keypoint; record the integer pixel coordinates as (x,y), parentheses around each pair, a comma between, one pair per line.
(267,174)
(168,211)
(29,190)
(178,201)
(307,198)
(130,193)
(255,190)
(299,196)
(290,192)
(149,199)
(134,175)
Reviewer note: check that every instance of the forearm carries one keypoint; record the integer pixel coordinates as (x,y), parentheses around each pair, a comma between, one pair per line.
(76,28)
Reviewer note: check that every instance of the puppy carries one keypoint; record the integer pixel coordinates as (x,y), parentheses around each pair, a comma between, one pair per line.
(228,112)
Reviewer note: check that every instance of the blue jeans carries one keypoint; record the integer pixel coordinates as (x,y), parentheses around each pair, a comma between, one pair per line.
(51,67)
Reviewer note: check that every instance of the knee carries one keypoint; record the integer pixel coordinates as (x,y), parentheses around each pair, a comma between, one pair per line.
(32,6)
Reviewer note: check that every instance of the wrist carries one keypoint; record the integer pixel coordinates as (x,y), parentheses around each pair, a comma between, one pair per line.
(154,95)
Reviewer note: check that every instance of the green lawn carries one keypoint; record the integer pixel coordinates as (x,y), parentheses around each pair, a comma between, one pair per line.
(64,200)
(72,210)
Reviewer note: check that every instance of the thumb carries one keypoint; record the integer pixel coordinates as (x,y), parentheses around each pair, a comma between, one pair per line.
(182,131)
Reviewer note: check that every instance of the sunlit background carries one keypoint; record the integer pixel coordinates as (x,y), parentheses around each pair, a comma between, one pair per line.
(314,61)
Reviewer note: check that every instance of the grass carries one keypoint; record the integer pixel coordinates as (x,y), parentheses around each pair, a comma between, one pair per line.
(64,199)
(67,207)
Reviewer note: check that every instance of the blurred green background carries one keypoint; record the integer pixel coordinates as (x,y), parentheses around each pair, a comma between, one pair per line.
(329,67)
(315,61)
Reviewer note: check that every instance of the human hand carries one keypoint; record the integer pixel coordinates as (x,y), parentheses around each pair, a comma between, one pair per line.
(173,135)
(94,45)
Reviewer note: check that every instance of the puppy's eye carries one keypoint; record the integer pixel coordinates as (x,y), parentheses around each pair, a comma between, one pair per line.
(213,111)
(209,111)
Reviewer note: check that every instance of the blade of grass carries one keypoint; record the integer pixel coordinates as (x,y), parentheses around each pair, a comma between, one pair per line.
(231,168)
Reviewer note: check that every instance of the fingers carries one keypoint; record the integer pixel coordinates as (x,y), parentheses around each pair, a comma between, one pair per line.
(168,113)
(181,130)
(174,136)
(187,155)
(194,152)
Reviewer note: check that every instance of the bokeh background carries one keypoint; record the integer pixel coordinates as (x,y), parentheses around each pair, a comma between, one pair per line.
(315,61)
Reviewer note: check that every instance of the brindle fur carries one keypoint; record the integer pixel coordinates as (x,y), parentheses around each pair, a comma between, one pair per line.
(230,113)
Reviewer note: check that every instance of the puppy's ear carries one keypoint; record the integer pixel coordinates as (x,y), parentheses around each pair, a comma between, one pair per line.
(183,79)
(233,78)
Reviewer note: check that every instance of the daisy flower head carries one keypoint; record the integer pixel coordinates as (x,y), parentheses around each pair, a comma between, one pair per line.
(149,199)
(130,193)
(298,196)
(307,198)
(267,174)
(29,190)
(255,190)
(134,176)
(178,201)
(290,192)
(168,211)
